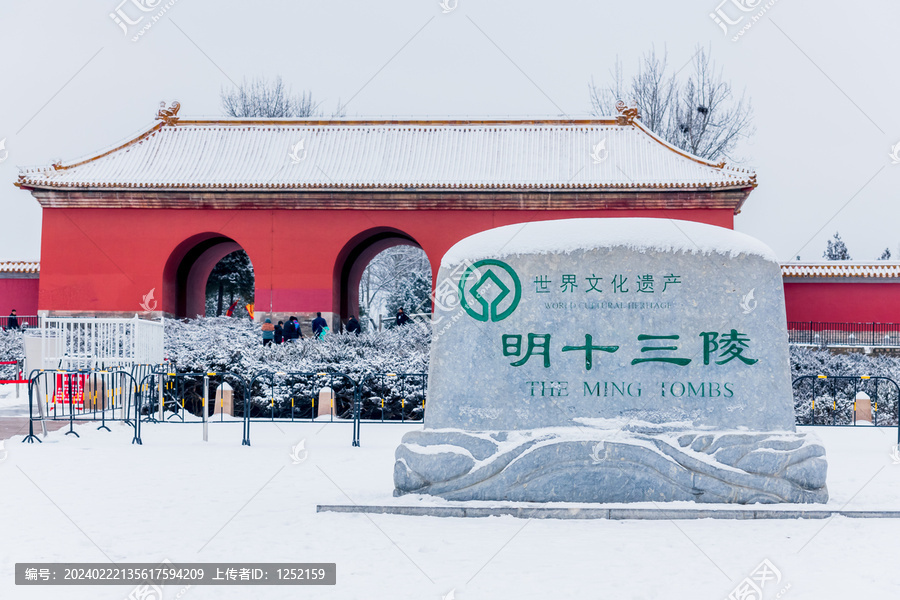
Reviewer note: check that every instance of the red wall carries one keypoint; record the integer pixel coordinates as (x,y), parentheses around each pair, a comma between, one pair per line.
(842,302)
(106,260)
(20,294)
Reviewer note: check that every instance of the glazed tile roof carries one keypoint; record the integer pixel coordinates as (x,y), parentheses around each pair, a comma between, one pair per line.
(615,153)
(877,269)
(20,267)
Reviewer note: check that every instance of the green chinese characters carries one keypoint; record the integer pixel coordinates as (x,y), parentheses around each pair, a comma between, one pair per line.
(720,348)
(619,283)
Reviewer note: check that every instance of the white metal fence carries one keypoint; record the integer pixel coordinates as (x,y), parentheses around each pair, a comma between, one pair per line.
(87,343)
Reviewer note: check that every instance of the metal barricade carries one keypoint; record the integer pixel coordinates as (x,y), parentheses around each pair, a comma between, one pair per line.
(198,398)
(287,397)
(159,394)
(83,396)
(833,400)
(393,397)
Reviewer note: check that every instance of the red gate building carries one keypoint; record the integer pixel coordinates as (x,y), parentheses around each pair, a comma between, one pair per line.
(312,202)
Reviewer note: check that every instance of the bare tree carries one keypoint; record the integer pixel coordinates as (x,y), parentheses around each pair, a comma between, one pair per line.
(651,89)
(697,112)
(263,98)
(395,276)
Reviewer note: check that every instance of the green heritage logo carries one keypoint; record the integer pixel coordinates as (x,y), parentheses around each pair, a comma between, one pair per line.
(489,280)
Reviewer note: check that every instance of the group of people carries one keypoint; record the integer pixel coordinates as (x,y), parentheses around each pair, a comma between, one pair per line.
(285,333)
(282,333)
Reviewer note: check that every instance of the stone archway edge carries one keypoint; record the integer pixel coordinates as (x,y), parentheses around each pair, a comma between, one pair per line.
(613,514)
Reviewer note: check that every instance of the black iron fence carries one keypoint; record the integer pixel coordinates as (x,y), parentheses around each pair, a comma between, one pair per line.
(847,400)
(25,321)
(301,396)
(393,397)
(844,334)
(335,397)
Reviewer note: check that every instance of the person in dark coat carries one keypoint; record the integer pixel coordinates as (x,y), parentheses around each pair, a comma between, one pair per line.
(292,330)
(279,333)
(401,319)
(13,321)
(318,325)
(353,326)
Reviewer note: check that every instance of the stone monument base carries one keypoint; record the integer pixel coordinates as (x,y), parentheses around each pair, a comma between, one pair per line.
(630,464)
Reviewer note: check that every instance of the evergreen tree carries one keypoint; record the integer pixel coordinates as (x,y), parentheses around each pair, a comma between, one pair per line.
(836,249)
(886,255)
(231,279)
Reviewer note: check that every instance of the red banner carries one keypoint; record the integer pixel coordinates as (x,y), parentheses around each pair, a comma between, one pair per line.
(63,383)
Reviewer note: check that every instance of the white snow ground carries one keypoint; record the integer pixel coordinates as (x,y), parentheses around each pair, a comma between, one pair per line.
(98,498)
(10,405)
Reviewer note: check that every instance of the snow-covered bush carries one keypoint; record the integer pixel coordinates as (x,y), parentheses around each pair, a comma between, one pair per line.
(11,345)
(235,346)
(11,348)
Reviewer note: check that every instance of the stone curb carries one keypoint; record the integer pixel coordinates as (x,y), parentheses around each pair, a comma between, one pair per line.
(615,514)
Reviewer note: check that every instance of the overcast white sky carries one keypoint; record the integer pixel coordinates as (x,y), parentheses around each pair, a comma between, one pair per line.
(822,77)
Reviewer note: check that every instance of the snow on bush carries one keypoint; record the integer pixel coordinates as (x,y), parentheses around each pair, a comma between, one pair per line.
(11,348)
(11,345)
(227,344)
(234,345)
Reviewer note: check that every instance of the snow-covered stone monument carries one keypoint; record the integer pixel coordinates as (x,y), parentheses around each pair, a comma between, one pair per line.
(610,360)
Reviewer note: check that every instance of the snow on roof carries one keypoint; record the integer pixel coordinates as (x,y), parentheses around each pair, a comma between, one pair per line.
(245,154)
(20,267)
(841,268)
(640,234)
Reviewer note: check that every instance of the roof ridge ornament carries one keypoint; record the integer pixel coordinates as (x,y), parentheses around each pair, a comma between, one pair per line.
(627,113)
(168,115)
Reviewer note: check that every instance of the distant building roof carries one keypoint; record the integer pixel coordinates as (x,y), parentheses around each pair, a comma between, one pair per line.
(843,268)
(20,267)
(601,154)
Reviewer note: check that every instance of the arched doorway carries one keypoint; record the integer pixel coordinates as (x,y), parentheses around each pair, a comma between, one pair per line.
(187,272)
(352,262)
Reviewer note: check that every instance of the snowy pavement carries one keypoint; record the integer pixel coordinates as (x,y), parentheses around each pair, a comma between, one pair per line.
(98,498)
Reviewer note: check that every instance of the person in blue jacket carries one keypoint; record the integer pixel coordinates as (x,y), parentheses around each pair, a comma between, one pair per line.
(319,326)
